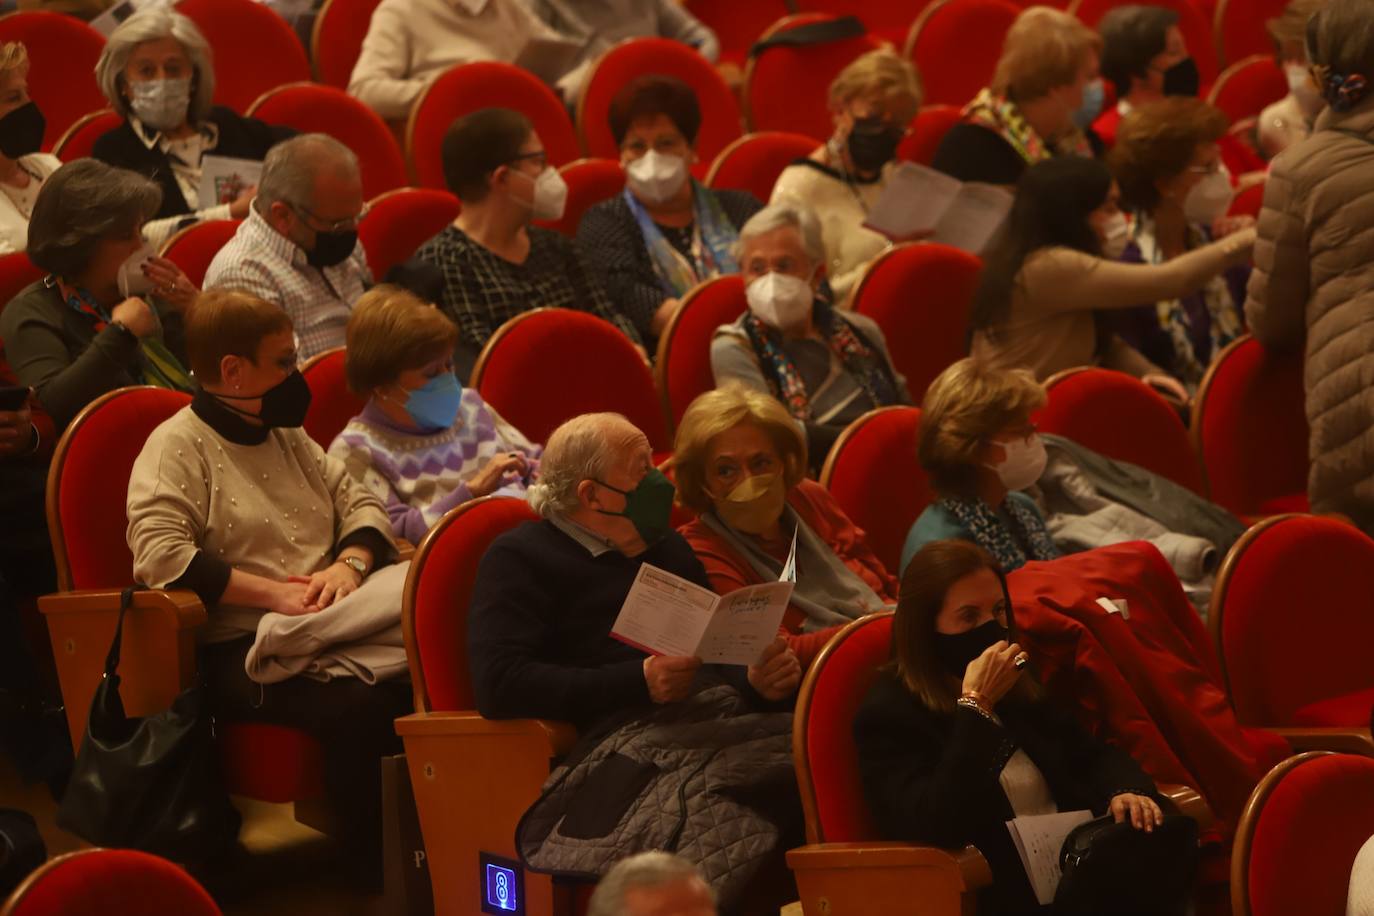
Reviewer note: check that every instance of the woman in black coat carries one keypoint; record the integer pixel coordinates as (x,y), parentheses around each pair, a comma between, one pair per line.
(157,71)
(955,738)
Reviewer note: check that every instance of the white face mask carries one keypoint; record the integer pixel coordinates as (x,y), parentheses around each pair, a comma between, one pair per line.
(1305,91)
(780,301)
(655,177)
(550,195)
(1209,199)
(1024,462)
(1116,236)
(161,104)
(132,282)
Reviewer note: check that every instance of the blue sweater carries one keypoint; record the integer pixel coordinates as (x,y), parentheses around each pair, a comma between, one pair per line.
(939,524)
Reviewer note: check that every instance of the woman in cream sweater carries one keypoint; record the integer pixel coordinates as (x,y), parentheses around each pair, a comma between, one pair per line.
(1054,267)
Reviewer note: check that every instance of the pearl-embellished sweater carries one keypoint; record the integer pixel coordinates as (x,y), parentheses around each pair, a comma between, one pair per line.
(201,504)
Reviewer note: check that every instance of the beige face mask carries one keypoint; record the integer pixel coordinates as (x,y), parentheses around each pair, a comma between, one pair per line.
(754,504)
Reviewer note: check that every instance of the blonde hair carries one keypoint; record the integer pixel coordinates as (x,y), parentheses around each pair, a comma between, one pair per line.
(719,411)
(1044,49)
(882,73)
(1291,24)
(13,56)
(392,330)
(966,405)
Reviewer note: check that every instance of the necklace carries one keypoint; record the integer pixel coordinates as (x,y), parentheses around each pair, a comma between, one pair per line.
(832,150)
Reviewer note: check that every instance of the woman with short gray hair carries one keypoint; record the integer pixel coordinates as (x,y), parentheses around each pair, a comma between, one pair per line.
(158,72)
(828,367)
(107,314)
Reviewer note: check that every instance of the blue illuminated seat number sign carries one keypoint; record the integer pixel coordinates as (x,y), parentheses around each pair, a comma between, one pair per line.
(503,886)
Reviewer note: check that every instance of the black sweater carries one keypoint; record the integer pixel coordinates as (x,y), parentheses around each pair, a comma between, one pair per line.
(539,624)
(933,778)
(239,137)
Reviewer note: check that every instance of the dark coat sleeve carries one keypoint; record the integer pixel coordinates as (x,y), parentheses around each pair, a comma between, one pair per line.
(590,292)
(973,153)
(613,248)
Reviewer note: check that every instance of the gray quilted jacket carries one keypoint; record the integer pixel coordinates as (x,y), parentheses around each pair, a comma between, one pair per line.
(1314,281)
(709,778)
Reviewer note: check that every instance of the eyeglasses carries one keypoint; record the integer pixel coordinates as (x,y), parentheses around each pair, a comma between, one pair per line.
(1212,169)
(540,158)
(343,225)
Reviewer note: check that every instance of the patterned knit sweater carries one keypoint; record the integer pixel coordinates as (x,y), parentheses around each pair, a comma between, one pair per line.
(422,475)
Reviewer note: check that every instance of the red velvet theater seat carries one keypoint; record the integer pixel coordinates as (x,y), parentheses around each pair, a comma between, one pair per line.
(254,48)
(920,295)
(955,45)
(112,882)
(1247,87)
(337,39)
(400,221)
(1299,836)
(753,162)
(590,181)
(79,139)
(87,487)
(1291,620)
(927,129)
(1119,416)
(63,52)
(549,365)
(193,248)
(860,472)
(682,369)
(332,404)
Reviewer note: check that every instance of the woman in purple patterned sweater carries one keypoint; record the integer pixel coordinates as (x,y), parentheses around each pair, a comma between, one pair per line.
(424,443)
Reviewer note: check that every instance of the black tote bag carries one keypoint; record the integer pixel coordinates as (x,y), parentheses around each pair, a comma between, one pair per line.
(150,783)
(1111,868)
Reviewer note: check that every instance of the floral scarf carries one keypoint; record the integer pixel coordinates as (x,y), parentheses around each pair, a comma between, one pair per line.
(990,532)
(161,368)
(1001,116)
(858,358)
(1225,322)
(713,237)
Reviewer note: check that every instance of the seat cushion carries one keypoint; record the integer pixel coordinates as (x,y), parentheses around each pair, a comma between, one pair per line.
(1281,505)
(1268,747)
(1351,709)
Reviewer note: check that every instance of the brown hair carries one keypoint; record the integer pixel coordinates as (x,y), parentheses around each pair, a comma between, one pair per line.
(723,409)
(655,94)
(478,144)
(1157,141)
(1044,49)
(928,577)
(392,330)
(79,206)
(966,405)
(1291,24)
(225,322)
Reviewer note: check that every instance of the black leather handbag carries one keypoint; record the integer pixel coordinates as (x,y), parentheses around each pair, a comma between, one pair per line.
(1111,868)
(152,783)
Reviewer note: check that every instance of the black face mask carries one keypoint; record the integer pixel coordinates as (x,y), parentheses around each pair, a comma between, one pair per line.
(332,247)
(21,131)
(872,144)
(284,405)
(1182,78)
(954,652)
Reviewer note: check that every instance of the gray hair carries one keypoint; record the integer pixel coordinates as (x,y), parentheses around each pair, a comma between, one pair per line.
(783,216)
(576,451)
(290,167)
(80,205)
(647,869)
(1341,36)
(151,24)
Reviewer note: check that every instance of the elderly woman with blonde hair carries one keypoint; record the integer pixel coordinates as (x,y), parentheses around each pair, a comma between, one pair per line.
(1044,93)
(424,443)
(872,102)
(157,72)
(740,464)
(23,169)
(980,448)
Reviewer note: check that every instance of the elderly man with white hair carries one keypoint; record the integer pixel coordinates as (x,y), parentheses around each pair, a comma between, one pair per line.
(828,367)
(299,246)
(156,70)
(652,884)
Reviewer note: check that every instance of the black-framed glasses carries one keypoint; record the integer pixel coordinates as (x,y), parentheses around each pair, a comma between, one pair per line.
(342,225)
(541,158)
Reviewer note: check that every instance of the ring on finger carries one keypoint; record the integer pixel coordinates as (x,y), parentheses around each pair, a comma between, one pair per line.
(1022,659)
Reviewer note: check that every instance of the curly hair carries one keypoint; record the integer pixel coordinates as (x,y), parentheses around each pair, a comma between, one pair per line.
(1156,142)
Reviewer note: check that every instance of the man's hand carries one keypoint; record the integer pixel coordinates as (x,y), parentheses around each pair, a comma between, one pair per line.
(670,676)
(777,673)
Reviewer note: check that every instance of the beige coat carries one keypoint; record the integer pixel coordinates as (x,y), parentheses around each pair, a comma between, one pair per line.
(1314,281)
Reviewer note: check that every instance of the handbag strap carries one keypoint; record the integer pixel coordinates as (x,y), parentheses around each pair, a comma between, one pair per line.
(126,600)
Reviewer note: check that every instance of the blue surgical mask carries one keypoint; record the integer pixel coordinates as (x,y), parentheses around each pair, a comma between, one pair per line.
(435,405)
(1094,97)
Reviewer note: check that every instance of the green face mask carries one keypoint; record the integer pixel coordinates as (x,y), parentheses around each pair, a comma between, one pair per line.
(648,506)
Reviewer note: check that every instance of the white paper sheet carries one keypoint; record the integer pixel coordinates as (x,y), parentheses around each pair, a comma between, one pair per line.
(918,199)
(1038,841)
(223,178)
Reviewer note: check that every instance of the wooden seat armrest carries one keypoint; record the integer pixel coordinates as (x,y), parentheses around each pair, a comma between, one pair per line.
(157,658)
(1343,739)
(1186,800)
(404,550)
(883,854)
(883,879)
(560,736)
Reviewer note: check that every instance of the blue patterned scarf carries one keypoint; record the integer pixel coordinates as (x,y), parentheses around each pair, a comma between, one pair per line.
(990,532)
(713,235)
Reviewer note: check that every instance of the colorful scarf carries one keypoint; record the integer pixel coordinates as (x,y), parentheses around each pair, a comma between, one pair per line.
(990,532)
(1001,116)
(160,367)
(713,237)
(1224,325)
(858,359)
